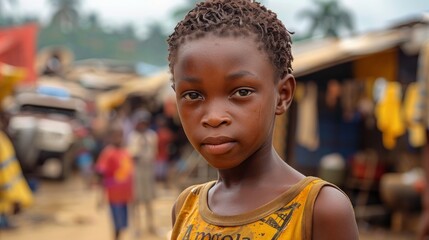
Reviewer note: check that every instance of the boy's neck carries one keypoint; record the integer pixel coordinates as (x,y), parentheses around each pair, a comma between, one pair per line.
(253,169)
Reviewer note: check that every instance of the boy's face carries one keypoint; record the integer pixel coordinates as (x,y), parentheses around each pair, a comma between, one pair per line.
(227,98)
(117,137)
(142,126)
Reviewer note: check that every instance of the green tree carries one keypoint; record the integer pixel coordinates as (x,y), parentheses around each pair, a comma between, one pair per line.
(92,21)
(66,16)
(329,19)
(87,38)
(128,31)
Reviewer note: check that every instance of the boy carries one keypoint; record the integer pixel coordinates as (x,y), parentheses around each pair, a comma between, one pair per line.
(232,74)
(116,169)
(143,146)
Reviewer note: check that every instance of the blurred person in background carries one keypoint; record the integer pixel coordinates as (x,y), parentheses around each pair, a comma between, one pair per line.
(84,156)
(143,146)
(165,139)
(15,193)
(53,65)
(115,167)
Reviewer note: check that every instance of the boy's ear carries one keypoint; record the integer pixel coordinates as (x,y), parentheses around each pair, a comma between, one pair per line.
(286,90)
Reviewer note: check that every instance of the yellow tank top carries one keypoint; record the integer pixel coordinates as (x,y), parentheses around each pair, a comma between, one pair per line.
(289,216)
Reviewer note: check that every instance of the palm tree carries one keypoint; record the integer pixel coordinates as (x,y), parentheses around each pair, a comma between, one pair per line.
(66,16)
(329,19)
(93,20)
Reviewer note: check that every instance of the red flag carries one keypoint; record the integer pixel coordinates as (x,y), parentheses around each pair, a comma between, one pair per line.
(18,48)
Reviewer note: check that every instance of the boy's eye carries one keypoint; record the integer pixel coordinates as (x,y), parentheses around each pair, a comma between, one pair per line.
(192,96)
(243,92)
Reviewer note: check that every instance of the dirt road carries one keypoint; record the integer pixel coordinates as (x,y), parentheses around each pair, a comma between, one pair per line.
(68,211)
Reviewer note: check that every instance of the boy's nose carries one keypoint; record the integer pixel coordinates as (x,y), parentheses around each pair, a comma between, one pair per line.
(216,115)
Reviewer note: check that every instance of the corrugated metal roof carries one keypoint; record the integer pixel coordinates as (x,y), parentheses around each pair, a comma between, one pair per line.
(319,54)
(149,86)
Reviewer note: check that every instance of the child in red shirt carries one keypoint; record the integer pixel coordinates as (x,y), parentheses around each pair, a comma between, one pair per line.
(115,166)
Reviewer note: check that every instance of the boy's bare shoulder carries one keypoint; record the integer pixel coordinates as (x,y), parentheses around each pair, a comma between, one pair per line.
(333,216)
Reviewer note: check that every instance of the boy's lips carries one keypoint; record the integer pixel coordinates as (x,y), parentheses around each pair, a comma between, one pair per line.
(216,140)
(217,145)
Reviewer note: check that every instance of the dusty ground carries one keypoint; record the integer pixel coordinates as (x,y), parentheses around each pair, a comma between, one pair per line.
(68,211)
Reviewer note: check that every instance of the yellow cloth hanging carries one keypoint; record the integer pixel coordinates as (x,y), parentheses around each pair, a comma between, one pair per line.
(299,91)
(10,76)
(412,112)
(389,116)
(13,186)
(423,80)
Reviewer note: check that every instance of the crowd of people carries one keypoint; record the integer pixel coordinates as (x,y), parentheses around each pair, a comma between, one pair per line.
(126,162)
(133,156)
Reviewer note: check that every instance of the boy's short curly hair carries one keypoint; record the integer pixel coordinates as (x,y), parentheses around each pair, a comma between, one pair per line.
(237,18)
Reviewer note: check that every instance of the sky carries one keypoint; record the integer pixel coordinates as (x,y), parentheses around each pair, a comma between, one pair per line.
(369,15)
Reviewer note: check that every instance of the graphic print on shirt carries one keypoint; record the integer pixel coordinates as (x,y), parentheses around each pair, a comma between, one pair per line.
(284,215)
(273,227)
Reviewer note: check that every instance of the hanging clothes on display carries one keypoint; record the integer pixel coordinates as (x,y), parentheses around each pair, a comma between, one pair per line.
(412,113)
(379,88)
(307,128)
(388,114)
(365,105)
(351,93)
(423,82)
(333,93)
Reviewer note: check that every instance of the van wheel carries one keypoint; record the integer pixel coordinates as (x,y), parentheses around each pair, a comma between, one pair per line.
(66,164)
(26,148)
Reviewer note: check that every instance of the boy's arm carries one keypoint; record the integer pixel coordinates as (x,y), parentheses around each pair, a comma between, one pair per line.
(173,214)
(333,216)
(101,164)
